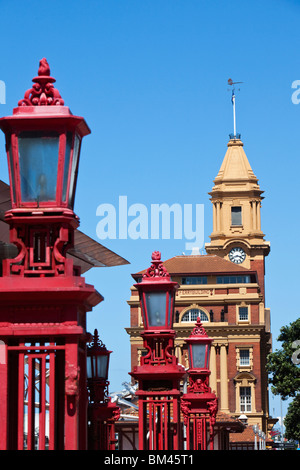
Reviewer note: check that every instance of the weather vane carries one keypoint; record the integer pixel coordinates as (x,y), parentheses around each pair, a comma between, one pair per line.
(231,83)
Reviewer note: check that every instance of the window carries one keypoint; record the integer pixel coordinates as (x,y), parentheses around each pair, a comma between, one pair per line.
(194,280)
(192,315)
(245,399)
(243,313)
(244,357)
(233,279)
(236,215)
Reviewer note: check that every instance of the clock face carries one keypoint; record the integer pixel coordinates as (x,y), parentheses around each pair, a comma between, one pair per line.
(237,255)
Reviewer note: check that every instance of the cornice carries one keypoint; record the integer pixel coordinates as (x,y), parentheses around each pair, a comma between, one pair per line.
(219,194)
(223,328)
(134,331)
(217,330)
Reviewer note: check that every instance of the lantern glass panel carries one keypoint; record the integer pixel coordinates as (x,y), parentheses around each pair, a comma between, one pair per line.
(156,308)
(67,164)
(89,370)
(74,170)
(38,159)
(96,366)
(102,366)
(170,309)
(198,352)
(11,164)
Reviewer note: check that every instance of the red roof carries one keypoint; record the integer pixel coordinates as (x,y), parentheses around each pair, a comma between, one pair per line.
(200,264)
(246,436)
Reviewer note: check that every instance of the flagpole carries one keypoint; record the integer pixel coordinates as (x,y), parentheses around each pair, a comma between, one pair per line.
(231,83)
(234,118)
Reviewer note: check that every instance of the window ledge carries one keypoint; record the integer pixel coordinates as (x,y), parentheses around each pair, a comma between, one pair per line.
(244,368)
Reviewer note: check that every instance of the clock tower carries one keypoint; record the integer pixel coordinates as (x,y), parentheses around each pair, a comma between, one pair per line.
(236,197)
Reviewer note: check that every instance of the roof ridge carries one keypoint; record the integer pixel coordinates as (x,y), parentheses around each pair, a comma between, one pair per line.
(193,256)
(201,265)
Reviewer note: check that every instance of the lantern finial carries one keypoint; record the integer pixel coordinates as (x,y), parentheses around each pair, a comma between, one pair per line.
(157,268)
(156,256)
(44,68)
(96,341)
(42,92)
(199,329)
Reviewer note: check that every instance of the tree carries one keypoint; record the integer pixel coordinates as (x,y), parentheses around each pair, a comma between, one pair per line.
(285,373)
(284,367)
(292,420)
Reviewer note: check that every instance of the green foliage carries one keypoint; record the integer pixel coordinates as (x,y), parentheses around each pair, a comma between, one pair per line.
(292,420)
(285,376)
(284,373)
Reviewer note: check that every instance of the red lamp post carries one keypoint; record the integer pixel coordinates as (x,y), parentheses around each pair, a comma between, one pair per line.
(102,413)
(43,298)
(159,373)
(199,405)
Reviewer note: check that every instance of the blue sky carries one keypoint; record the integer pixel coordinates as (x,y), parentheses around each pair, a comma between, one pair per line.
(150,78)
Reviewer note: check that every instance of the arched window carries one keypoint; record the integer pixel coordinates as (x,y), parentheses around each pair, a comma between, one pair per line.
(192,315)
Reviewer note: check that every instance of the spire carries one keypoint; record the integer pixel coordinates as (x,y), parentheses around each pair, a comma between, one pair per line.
(235,169)
(236,198)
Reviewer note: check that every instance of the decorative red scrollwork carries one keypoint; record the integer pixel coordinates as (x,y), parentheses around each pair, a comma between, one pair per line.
(199,384)
(199,330)
(116,414)
(54,264)
(42,92)
(185,408)
(213,408)
(72,380)
(157,268)
(96,341)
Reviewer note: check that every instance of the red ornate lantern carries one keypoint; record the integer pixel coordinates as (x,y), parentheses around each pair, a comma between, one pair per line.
(102,412)
(157,294)
(199,405)
(43,142)
(97,369)
(199,348)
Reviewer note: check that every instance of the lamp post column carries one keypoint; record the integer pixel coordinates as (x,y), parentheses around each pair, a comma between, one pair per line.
(4,396)
(255,430)
(44,299)
(71,396)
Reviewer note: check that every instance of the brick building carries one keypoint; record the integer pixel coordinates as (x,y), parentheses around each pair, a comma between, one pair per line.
(225,287)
